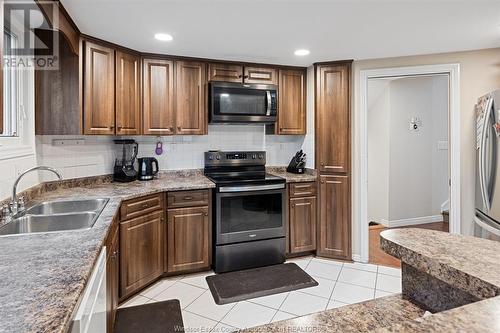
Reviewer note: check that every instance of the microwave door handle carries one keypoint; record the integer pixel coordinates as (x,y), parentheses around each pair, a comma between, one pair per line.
(268,103)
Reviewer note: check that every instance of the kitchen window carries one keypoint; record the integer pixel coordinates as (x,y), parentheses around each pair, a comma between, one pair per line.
(10,90)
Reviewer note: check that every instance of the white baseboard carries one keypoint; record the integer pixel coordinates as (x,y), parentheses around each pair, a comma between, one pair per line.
(415,220)
(356,257)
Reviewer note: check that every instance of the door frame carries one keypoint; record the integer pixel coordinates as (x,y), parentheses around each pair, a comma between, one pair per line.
(361,157)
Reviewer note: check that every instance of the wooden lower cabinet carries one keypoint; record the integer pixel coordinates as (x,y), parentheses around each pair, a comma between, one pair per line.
(302,224)
(141,251)
(334,228)
(188,244)
(112,279)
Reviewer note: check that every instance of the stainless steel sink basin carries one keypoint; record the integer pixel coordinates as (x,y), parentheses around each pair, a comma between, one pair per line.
(52,216)
(67,206)
(49,223)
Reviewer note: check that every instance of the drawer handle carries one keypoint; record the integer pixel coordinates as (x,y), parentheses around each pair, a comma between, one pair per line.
(188,198)
(302,186)
(145,205)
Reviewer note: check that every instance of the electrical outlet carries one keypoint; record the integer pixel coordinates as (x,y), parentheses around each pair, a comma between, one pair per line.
(68,142)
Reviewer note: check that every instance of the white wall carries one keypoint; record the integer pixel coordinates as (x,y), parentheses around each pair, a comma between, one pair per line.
(413,172)
(378,150)
(479,74)
(407,174)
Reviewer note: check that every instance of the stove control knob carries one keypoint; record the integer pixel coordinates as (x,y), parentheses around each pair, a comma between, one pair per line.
(254,156)
(261,156)
(210,157)
(217,157)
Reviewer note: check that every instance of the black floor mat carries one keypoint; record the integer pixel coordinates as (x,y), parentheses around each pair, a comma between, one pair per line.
(160,317)
(256,282)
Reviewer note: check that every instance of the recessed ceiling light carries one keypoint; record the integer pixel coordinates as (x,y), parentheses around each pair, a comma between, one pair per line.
(302,52)
(164,37)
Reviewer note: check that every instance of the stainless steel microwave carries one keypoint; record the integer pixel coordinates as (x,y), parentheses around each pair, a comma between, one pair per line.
(243,103)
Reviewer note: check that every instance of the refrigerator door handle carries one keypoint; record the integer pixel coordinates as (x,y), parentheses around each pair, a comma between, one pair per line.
(486,226)
(482,159)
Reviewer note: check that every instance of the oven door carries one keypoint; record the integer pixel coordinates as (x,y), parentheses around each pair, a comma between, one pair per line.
(242,103)
(248,213)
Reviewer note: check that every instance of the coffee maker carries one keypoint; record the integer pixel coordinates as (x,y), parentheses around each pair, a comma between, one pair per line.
(126,153)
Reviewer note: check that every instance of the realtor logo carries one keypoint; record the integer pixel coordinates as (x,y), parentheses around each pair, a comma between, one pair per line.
(31,38)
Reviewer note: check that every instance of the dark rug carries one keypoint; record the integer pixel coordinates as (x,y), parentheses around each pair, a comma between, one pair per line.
(161,317)
(257,282)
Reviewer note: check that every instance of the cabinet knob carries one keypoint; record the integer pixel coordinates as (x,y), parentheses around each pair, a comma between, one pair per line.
(171,129)
(293,205)
(246,76)
(322,163)
(239,76)
(111,127)
(322,182)
(179,128)
(162,219)
(206,214)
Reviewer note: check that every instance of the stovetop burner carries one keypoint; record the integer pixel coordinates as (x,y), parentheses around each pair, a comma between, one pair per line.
(240,167)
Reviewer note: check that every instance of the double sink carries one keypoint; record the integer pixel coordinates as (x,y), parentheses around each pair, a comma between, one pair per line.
(51,216)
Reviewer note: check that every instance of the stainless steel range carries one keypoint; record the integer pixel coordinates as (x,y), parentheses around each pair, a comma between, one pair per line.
(249,219)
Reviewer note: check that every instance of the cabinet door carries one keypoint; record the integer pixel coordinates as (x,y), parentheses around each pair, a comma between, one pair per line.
(225,72)
(292,102)
(159,118)
(302,224)
(188,239)
(334,234)
(264,75)
(112,279)
(99,89)
(333,118)
(190,91)
(128,94)
(141,254)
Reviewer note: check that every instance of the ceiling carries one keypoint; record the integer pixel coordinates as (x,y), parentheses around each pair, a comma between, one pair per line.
(270,30)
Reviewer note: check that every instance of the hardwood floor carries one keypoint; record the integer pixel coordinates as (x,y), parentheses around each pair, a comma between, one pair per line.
(379,257)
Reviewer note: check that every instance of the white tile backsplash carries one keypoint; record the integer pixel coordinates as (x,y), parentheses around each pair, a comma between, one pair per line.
(96,156)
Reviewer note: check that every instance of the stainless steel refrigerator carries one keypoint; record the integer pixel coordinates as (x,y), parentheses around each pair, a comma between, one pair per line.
(487,219)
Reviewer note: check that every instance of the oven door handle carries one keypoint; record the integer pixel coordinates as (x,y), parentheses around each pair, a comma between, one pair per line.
(227,189)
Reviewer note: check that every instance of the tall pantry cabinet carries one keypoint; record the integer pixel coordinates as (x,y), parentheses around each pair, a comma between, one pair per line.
(333,158)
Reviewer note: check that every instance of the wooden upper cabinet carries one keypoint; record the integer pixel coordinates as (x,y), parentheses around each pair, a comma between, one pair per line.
(188,242)
(190,92)
(225,72)
(333,118)
(264,75)
(128,94)
(302,224)
(141,252)
(292,102)
(334,234)
(158,96)
(99,89)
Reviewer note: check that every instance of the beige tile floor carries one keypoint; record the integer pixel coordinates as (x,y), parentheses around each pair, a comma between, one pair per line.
(339,284)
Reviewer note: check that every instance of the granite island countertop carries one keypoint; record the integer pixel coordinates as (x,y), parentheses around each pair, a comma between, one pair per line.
(461,265)
(42,276)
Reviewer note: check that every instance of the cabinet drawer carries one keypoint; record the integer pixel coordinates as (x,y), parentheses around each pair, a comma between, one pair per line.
(140,206)
(303,189)
(187,198)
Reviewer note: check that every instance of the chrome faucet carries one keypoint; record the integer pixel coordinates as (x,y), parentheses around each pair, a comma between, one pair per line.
(17,207)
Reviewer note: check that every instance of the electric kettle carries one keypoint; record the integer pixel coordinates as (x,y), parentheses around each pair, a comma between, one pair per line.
(146,170)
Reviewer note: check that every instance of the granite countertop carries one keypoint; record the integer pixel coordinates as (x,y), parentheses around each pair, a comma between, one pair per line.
(468,264)
(360,317)
(310,175)
(42,276)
